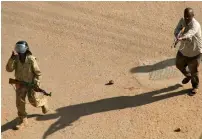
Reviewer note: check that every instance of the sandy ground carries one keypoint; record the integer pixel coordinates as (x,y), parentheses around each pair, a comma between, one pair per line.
(80,46)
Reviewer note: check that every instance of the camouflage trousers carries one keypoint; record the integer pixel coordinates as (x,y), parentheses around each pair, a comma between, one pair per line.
(36,99)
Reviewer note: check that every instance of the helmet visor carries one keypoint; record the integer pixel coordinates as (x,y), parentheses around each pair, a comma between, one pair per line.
(20,48)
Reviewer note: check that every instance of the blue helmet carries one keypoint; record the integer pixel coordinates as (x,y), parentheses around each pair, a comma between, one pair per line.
(21,47)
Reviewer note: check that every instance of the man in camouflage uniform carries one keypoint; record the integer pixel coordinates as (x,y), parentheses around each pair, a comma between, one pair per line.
(26,69)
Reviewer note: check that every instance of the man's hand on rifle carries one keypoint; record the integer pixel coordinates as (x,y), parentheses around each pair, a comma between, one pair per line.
(180,39)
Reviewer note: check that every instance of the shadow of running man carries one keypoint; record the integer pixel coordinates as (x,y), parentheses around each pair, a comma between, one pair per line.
(67,115)
(157,66)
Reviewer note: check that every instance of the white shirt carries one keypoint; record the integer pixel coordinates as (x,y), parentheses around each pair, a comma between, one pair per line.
(192,46)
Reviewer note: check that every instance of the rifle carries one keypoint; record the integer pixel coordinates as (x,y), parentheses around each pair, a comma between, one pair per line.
(29,85)
(178,35)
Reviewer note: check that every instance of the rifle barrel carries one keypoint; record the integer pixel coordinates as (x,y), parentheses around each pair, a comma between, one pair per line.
(30,85)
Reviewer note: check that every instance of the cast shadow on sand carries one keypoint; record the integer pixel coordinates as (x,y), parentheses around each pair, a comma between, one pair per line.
(69,114)
(12,123)
(157,66)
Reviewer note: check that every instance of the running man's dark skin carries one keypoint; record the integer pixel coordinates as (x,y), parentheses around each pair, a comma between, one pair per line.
(188,16)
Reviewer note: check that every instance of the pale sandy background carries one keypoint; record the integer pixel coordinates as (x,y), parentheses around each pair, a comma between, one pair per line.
(80,46)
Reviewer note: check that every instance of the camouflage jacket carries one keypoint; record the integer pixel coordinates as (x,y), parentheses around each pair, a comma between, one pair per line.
(28,71)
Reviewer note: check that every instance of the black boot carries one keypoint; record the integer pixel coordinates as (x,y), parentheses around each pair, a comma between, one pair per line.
(186,80)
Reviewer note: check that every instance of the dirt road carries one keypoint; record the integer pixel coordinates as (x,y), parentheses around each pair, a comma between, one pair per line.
(80,46)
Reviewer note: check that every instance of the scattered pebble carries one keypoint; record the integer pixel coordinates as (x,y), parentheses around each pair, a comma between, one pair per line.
(177,130)
(110,82)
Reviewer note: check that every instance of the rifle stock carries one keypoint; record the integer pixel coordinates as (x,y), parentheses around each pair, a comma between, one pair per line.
(29,85)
